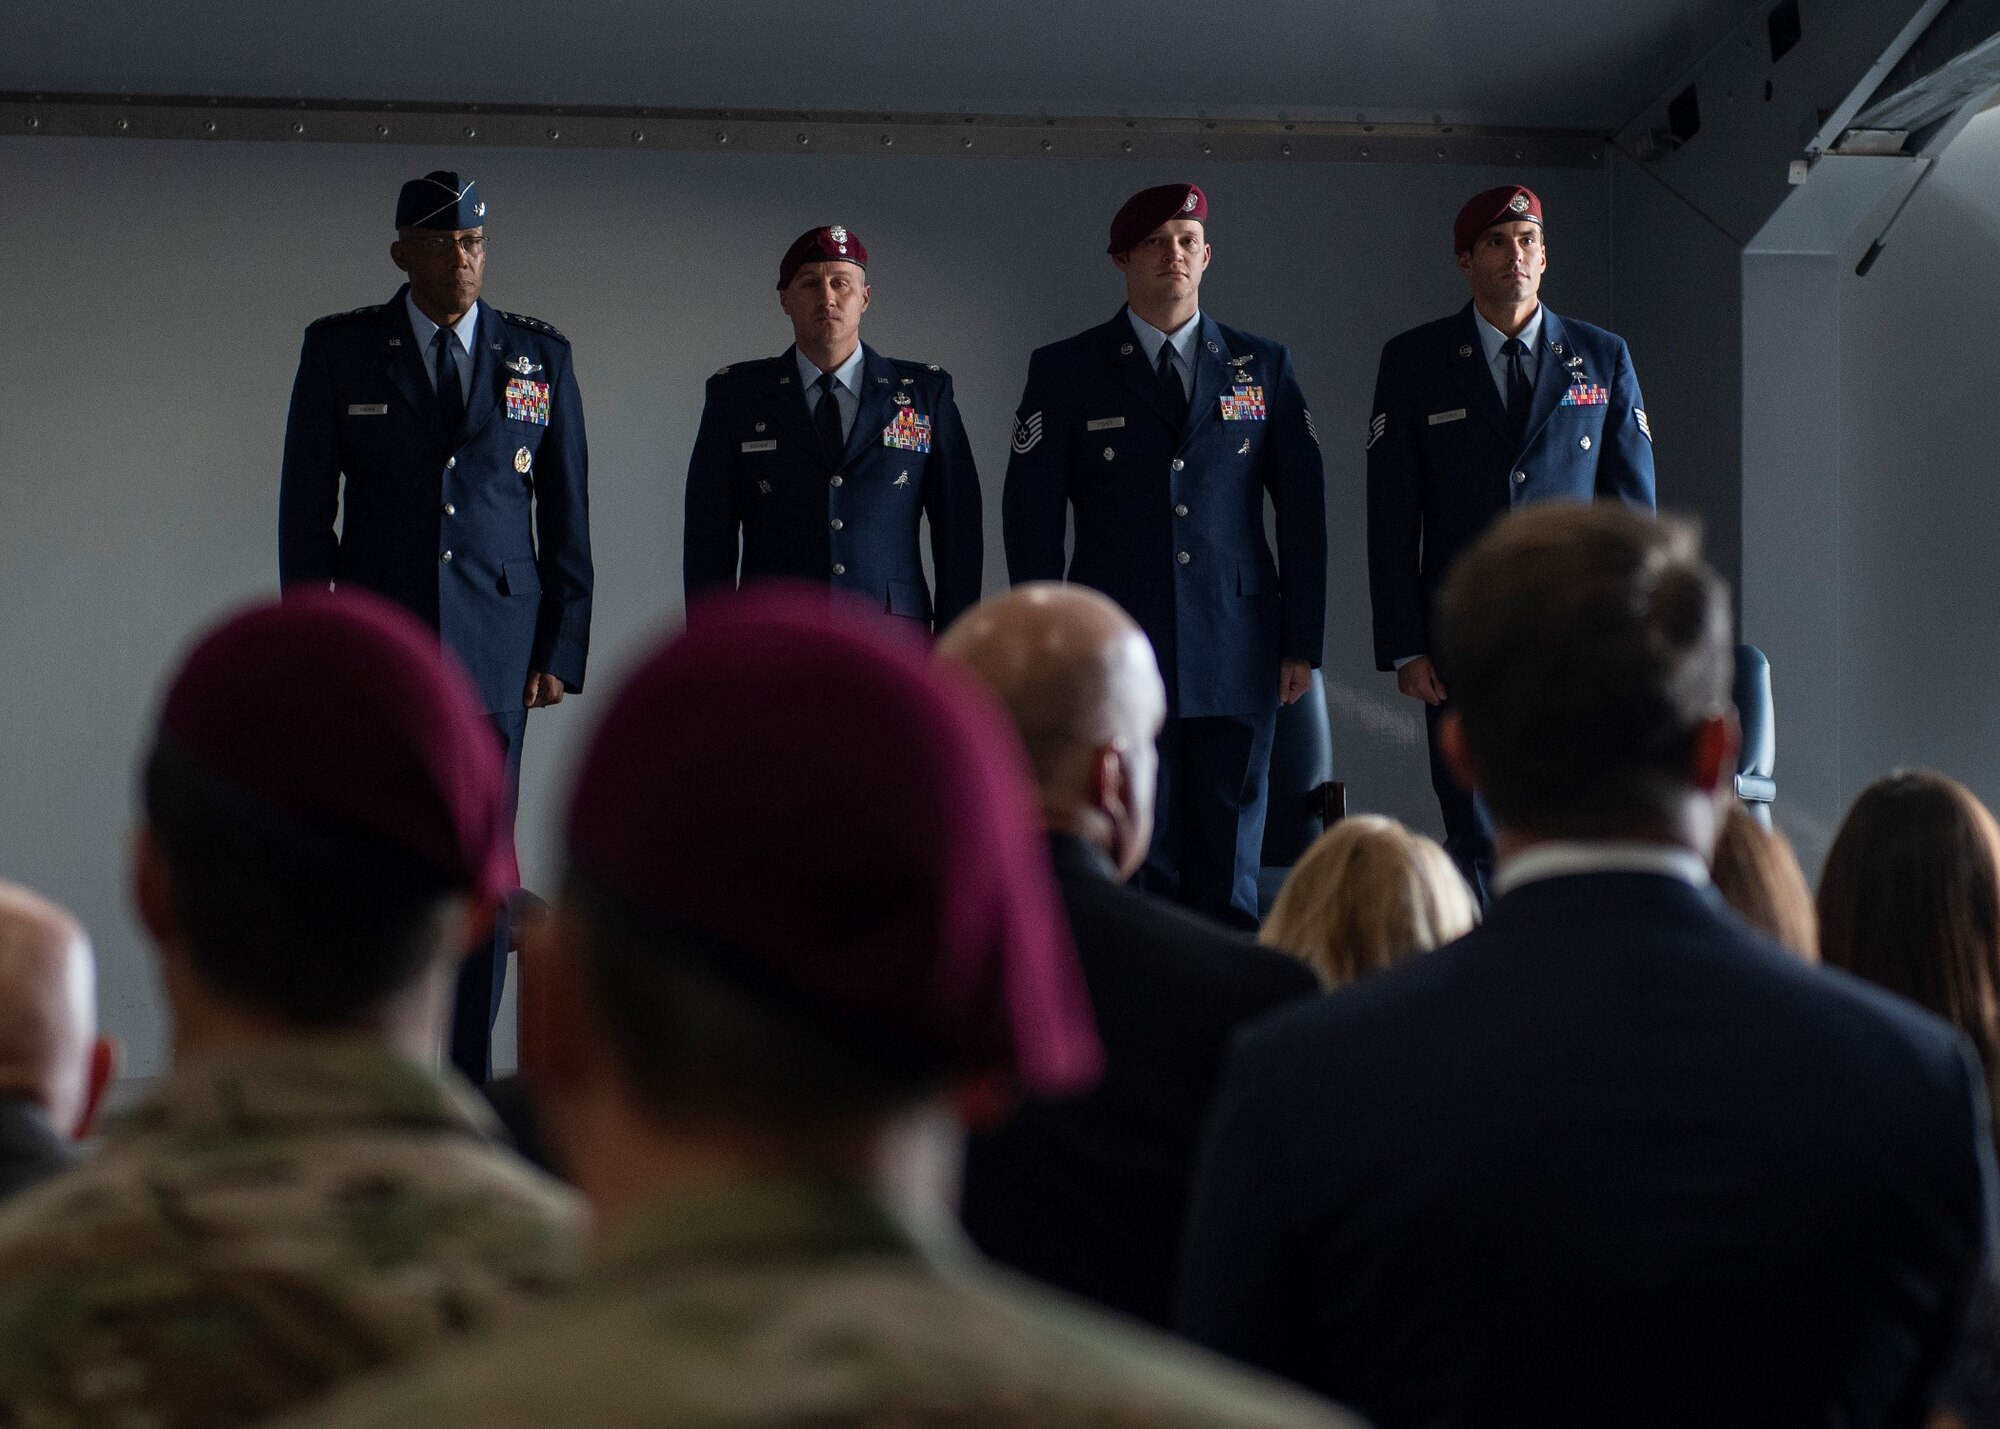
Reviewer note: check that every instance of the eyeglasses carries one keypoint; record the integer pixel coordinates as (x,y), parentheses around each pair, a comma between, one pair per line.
(438,246)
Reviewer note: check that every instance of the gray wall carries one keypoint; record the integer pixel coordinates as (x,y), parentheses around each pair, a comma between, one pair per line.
(1920,484)
(157,293)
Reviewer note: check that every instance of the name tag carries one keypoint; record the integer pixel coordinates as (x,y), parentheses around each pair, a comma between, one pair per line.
(1438,419)
(1104,424)
(760,446)
(368,409)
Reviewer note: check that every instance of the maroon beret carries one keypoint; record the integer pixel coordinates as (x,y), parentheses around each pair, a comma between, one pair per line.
(832,814)
(822,245)
(1505,204)
(1147,209)
(337,712)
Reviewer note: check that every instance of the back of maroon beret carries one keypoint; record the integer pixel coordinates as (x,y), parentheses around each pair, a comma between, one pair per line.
(340,712)
(800,787)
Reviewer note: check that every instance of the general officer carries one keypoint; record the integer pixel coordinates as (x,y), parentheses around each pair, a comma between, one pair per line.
(817,464)
(1163,431)
(449,437)
(1498,406)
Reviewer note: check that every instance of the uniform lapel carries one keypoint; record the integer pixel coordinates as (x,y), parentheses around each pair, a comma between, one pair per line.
(1211,374)
(878,402)
(399,351)
(1123,351)
(1551,375)
(489,378)
(1467,361)
(795,430)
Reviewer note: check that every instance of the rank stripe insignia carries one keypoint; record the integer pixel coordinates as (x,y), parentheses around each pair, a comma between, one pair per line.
(1027,433)
(1644,425)
(1375,429)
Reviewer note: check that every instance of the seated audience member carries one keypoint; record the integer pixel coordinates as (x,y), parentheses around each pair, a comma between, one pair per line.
(1759,876)
(53,1065)
(1909,899)
(300,1198)
(804,912)
(1089,1192)
(1612,1158)
(1368,893)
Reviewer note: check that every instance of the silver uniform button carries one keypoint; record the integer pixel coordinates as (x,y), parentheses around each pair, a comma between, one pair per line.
(1184,558)
(836,523)
(450,510)
(1179,465)
(1586,443)
(1180,511)
(839,569)
(446,556)
(836,478)
(1108,453)
(1519,477)
(450,463)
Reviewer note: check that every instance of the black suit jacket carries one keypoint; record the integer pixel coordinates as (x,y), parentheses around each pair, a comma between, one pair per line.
(1611,1159)
(30,1149)
(1089,1193)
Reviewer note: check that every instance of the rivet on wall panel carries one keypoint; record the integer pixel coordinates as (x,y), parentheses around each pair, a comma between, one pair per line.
(470,132)
(1048,144)
(721,138)
(638,136)
(1285,149)
(888,141)
(555,133)
(965,143)
(298,128)
(33,122)
(381,131)
(804,139)
(122,125)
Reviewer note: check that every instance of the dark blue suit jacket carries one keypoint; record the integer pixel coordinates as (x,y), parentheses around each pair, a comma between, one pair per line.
(1611,1159)
(1170,518)
(363,408)
(1089,1192)
(757,471)
(1442,464)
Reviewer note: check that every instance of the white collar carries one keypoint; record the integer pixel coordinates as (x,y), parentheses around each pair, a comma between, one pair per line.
(1491,339)
(1562,858)
(1182,337)
(847,375)
(423,328)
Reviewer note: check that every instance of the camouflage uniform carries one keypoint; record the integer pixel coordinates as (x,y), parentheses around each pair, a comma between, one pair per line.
(784,1303)
(265,1224)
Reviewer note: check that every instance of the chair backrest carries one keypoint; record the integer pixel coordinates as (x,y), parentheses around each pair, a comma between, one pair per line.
(1303,795)
(1757,762)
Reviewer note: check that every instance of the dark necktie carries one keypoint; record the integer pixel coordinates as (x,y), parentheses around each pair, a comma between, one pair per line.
(451,396)
(826,421)
(1170,383)
(1520,396)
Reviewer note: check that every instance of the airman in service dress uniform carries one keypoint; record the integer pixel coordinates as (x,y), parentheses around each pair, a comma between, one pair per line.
(1164,431)
(818,463)
(1500,405)
(457,430)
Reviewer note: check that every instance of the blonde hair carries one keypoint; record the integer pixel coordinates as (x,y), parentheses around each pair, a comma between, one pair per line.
(1368,893)
(1759,876)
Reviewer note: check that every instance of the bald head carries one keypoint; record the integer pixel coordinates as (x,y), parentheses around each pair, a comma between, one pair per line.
(49,1048)
(1083,686)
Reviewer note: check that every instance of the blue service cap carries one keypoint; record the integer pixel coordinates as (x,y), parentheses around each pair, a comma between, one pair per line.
(441,199)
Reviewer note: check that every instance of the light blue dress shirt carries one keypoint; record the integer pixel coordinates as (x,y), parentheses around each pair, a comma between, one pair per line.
(1183,339)
(461,348)
(1492,340)
(846,387)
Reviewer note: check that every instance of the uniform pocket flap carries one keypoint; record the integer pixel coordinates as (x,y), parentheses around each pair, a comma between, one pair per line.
(909,598)
(520,578)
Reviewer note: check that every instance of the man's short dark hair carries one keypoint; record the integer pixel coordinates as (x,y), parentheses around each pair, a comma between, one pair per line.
(314,927)
(702,1039)
(1584,645)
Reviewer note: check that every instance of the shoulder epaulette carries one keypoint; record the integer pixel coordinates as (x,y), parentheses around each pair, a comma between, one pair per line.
(532,324)
(908,366)
(372,310)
